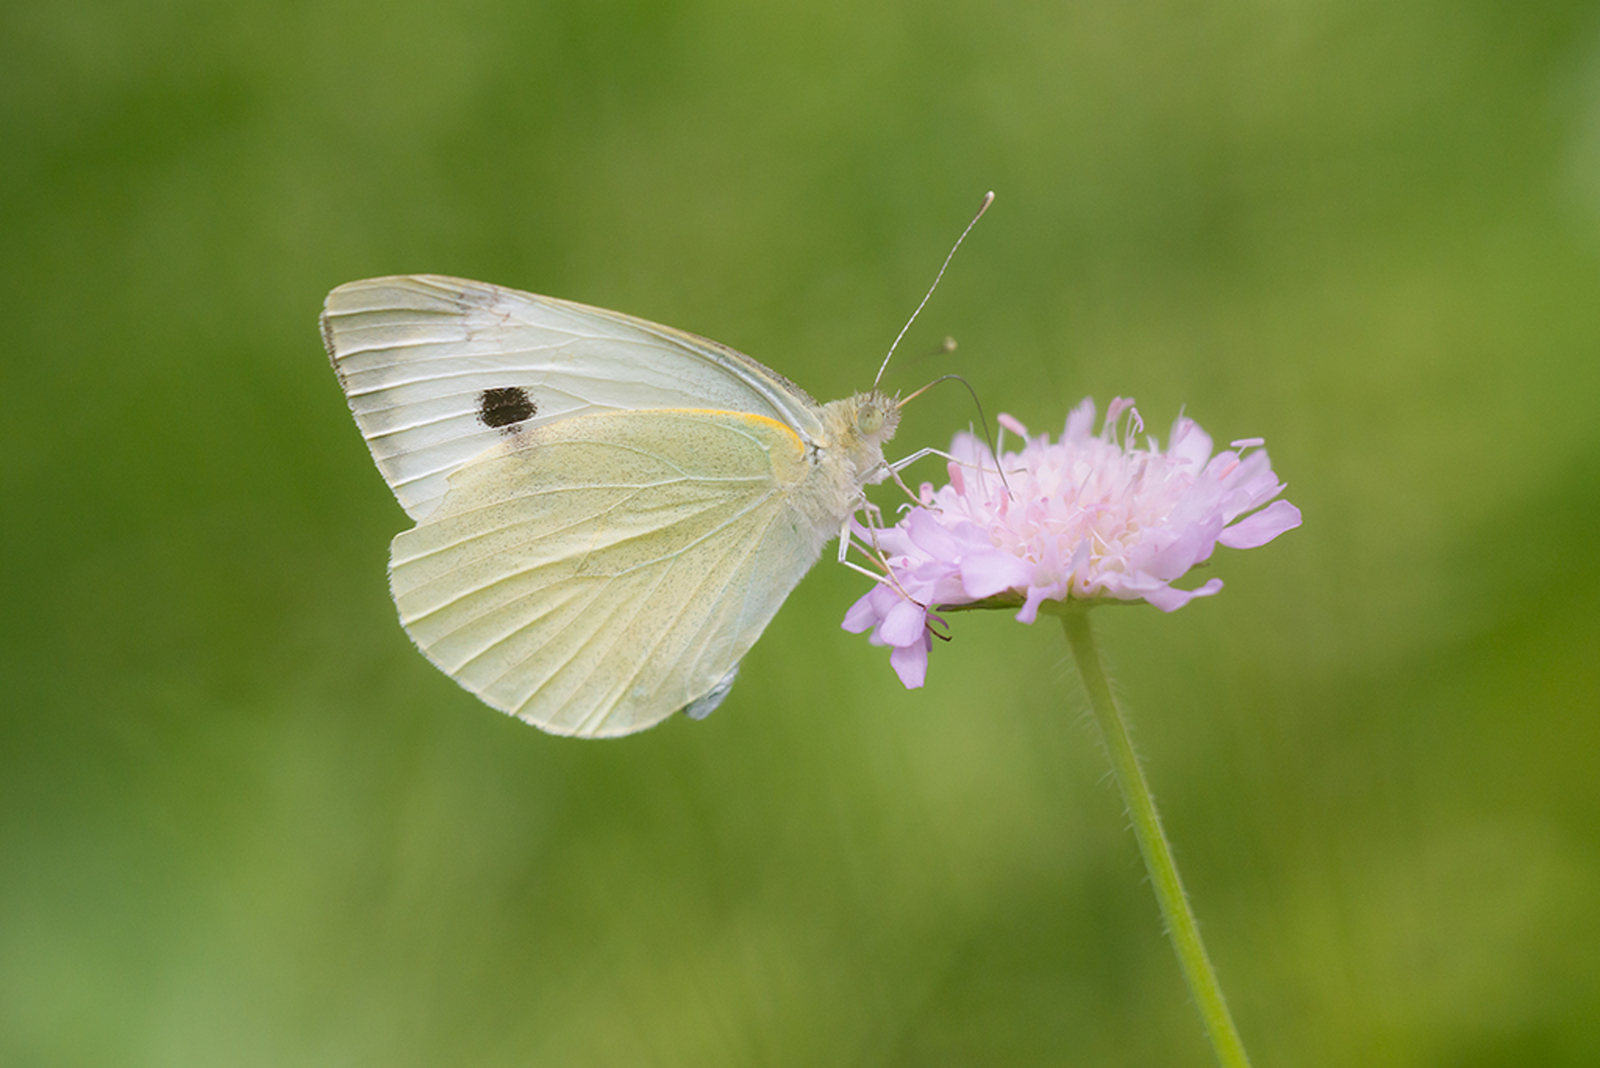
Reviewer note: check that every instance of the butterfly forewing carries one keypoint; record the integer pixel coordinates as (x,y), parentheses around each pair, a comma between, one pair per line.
(439,370)
(596,574)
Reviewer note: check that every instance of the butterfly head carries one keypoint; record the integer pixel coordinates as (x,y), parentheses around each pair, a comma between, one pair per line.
(876,415)
(858,426)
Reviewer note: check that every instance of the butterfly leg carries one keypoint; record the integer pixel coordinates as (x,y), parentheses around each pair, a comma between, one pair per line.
(874,553)
(906,461)
(847,541)
(898,481)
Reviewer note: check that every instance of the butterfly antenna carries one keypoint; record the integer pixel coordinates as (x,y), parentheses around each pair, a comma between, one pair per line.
(988,198)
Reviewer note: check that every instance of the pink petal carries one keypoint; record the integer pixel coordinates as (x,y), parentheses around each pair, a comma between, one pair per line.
(1250,480)
(910,662)
(987,572)
(904,624)
(862,615)
(1189,443)
(1037,595)
(930,536)
(1262,527)
(1188,546)
(1080,422)
(1170,600)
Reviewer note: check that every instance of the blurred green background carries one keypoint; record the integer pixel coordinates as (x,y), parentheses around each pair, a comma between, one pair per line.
(243,822)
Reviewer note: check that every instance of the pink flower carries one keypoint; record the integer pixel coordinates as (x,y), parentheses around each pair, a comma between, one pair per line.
(1089,518)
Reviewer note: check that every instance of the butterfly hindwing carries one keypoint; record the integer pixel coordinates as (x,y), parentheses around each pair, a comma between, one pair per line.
(596,574)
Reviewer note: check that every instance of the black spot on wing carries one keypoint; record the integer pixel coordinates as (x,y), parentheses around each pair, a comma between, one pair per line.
(505,406)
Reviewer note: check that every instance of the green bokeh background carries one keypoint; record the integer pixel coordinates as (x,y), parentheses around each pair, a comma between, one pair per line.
(243,822)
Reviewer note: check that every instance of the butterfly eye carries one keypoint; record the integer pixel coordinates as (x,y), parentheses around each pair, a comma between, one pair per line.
(869,419)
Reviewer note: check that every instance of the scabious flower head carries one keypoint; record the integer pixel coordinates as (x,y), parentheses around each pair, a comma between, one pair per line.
(1091,517)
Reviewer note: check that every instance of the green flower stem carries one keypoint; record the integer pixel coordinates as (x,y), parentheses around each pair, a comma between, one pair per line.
(1181,926)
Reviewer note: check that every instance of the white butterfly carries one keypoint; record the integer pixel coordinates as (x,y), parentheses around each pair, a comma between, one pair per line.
(609,512)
